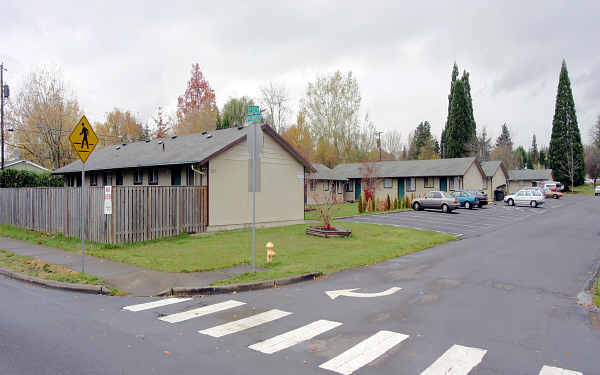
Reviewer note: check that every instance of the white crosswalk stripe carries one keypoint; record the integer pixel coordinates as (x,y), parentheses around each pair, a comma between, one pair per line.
(152,305)
(364,352)
(294,337)
(458,360)
(548,370)
(243,324)
(196,313)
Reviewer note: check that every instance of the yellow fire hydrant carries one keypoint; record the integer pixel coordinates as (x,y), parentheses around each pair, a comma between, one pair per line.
(270,252)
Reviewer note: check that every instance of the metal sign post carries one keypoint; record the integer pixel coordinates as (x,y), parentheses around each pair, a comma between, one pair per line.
(84,140)
(255,144)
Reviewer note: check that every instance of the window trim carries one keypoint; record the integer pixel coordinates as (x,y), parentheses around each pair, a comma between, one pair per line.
(350,186)
(174,172)
(107,179)
(118,176)
(411,187)
(93,179)
(151,175)
(326,185)
(428,182)
(339,187)
(138,176)
(386,180)
(190,172)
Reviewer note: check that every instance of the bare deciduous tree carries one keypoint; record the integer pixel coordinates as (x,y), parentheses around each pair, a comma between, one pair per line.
(42,115)
(274,99)
(392,143)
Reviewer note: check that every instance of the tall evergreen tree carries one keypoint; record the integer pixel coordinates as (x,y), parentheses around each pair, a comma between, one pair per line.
(533,152)
(458,132)
(443,137)
(504,139)
(566,151)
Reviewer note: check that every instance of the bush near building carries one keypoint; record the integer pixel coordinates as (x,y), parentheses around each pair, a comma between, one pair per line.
(12,178)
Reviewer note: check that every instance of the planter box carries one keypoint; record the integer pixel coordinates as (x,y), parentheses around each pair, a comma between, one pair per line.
(328,233)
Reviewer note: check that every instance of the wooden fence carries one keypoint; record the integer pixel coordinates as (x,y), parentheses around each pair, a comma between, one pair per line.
(139,213)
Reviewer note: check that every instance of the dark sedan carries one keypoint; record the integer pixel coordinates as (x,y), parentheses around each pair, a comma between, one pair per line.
(483,198)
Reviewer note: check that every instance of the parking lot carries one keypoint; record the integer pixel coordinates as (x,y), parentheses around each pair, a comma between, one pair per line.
(462,222)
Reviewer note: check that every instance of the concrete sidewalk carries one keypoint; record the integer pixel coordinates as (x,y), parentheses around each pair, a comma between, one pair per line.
(132,279)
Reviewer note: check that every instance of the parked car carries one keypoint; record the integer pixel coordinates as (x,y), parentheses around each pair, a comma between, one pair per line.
(466,199)
(525,197)
(552,194)
(436,199)
(597,190)
(482,196)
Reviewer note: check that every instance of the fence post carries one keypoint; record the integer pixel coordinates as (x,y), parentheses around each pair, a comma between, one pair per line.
(112,217)
(147,213)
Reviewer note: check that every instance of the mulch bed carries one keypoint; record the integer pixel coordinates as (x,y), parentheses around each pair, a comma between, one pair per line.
(321,231)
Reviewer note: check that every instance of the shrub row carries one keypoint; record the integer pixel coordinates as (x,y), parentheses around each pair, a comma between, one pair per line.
(12,178)
(373,204)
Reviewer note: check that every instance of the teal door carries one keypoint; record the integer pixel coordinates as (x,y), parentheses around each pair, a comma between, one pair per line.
(400,187)
(443,183)
(356,189)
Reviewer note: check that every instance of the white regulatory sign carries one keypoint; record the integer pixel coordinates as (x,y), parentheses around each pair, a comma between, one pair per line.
(108,200)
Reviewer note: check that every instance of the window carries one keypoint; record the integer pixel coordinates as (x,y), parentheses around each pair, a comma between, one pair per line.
(325,185)
(410,184)
(93,179)
(78,180)
(71,181)
(138,176)
(437,195)
(428,182)
(350,186)
(339,187)
(485,183)
(451,183)
(175,176)
(454,183)
(153,176)
(429,195)
(313,185)
(190,177)
(107,179)
(119,178)
(388,183)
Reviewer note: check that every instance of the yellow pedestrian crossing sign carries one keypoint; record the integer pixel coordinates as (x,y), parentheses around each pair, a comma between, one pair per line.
(83,139)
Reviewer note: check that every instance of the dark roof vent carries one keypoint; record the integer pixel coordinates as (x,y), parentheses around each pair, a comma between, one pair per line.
(209,136)
(173,137)
(204,132)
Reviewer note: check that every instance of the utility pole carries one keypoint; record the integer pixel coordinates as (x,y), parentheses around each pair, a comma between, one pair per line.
(2,93)
(379,143)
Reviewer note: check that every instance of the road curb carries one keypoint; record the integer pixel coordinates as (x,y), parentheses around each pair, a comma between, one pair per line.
(82,288)
(226,289)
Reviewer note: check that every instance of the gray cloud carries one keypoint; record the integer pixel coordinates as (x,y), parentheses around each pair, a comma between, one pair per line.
(137,54)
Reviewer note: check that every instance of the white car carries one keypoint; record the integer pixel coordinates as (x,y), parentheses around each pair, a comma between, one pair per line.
(532,198)
(597,190)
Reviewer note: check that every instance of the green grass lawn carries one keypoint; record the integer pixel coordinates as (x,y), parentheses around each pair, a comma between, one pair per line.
(587,189)
(44,270)
(297,253)
(341,210)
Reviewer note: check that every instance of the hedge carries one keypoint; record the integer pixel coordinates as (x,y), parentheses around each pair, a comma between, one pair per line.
(12,178)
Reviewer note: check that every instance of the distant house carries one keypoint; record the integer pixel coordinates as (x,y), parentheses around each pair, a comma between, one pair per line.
(217,160)
(414,177)
(324,186)
(496,176)
(25,165)
(521,178)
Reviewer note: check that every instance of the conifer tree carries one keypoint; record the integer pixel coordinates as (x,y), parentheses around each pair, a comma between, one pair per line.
(443,137)
(534,154)
(460,122)
(566,151)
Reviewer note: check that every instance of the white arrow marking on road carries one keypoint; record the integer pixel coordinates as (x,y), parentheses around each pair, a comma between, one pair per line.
(333,294)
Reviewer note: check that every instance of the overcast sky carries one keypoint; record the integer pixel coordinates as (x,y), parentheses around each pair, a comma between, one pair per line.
(138,55)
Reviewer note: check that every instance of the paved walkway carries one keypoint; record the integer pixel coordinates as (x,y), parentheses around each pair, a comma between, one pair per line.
(132,279)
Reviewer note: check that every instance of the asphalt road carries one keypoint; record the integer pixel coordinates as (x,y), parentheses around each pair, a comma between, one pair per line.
(507,294)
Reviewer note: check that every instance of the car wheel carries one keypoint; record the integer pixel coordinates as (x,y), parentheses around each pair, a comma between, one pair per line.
(468,205)
(510,202)
(416,206)
(480,205)
(445,208)
(555,196)
(533,204)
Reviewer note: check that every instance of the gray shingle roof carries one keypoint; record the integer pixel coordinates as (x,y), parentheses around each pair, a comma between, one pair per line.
(490,167)
(530,174)
(408,168)
(323,173)
(185,149)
